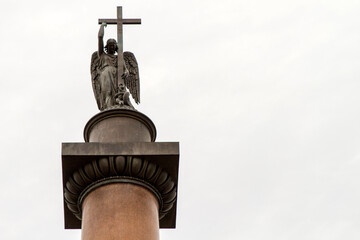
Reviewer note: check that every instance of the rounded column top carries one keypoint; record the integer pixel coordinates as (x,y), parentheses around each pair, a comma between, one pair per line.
(133,125)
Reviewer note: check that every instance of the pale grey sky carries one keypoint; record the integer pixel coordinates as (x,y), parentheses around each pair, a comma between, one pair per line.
(262,95)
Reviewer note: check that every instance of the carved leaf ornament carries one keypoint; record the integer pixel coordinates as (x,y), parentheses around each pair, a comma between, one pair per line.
(120,169)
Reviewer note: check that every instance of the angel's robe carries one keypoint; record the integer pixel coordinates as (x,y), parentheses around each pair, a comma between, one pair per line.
(107,79)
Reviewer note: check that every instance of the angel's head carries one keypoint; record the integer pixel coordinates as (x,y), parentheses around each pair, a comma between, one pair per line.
(111,46)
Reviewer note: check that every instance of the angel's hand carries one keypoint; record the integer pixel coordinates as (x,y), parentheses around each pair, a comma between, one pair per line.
(125,74)
(104,24)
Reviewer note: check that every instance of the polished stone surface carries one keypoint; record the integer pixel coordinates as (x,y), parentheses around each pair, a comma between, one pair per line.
(120,211)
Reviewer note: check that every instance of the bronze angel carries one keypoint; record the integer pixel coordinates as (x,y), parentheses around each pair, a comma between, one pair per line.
(104,69)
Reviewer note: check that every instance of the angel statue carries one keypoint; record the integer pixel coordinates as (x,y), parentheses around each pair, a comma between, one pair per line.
(109,91)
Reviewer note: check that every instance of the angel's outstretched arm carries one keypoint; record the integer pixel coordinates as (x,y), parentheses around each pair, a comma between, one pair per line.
(101,39)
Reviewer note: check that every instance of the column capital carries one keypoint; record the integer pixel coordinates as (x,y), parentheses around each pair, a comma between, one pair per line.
(87,166)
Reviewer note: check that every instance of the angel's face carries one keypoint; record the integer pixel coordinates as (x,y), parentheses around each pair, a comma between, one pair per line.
(111,47)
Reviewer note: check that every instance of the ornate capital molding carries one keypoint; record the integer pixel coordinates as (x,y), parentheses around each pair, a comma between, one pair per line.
(120,169)
(153,165)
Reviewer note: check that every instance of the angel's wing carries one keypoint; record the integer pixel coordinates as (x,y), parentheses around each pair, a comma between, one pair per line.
(94,70)
(132,81)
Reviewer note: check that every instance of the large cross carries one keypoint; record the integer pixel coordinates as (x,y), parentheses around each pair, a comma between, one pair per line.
(119,21)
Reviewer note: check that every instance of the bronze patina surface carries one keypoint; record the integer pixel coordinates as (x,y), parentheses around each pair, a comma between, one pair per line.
(112,74)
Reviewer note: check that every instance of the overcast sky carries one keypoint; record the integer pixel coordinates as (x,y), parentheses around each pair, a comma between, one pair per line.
(263,97)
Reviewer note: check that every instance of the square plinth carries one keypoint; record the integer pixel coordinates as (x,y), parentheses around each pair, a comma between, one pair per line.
(163,154)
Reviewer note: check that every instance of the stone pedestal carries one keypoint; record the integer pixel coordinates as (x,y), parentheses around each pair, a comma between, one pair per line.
(120,184)
(120,126)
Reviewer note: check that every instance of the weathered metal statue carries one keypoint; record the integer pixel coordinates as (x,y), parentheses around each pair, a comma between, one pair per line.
(110,77)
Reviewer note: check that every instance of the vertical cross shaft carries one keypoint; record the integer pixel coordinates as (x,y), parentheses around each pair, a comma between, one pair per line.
(120,45)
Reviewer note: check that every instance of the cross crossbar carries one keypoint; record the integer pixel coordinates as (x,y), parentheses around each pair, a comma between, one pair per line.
(124,21)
